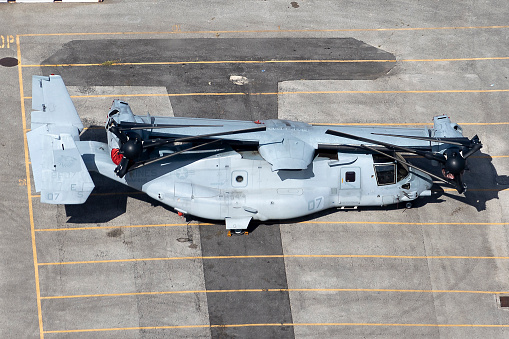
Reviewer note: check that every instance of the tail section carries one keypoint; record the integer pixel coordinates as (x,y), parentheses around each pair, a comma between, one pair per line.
(59,171)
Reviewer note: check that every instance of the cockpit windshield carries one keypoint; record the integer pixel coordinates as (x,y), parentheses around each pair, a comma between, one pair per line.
(387,170)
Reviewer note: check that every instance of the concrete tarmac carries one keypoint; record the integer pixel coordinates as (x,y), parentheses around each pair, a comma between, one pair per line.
(124,266)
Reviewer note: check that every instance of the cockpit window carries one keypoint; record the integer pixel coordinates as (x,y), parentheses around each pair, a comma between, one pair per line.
(385,174)
(387,170)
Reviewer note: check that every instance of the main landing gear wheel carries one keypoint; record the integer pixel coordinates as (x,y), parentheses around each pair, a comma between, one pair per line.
(237,232)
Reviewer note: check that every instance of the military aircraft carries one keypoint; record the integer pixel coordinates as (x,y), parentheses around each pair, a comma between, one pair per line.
(237,171)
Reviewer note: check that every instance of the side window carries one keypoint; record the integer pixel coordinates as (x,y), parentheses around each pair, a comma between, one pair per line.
(239,179)
(350,176)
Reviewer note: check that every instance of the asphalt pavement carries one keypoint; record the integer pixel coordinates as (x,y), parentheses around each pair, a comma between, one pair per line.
(124,266)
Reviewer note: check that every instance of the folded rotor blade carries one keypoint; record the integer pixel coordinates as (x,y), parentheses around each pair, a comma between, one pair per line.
(148,162)
(238,131)
(474,144)
(427,155)
(450,141)
(156,143)
(127,126)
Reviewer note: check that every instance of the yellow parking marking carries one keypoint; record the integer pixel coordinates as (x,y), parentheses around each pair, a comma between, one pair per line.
(262,290)
(104,194)
(278,325)
(403,123)
(452,91)
(408,223)
(295,92)
(129,328)
(282,224)
(409,325)
(110,227)
(120,95)
(212,62)
(29,191)
(278,30)
(478,189)
(275,256)
(400,91)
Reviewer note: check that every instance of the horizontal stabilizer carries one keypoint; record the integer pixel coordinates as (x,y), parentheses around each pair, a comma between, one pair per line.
(52,104)
(59,171)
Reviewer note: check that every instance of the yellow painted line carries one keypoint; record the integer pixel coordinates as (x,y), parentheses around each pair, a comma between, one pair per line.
(279,325)
(292,93)
(403,124)
(286,256)
(274,93)
(213,62)
(170,95)
(104,194)
(407,223)
(116,96)
(408,325)
(478,189)
(282,224)
(262,290)
(29,192)
(114,227)
(411,156)
(400,91)
(130,328)
(278,30)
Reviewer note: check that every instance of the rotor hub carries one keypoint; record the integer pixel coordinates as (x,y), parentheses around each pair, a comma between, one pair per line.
(455,163)
(132,149)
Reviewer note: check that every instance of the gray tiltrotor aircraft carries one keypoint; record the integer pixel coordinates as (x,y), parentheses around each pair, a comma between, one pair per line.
(237,171)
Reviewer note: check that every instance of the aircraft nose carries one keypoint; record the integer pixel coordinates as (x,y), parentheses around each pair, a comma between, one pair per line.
(425,193)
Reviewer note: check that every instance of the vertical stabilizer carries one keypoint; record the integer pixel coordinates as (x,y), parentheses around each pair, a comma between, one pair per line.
(51,103)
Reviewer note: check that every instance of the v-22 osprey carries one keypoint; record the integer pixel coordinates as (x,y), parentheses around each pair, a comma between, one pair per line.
(237,171)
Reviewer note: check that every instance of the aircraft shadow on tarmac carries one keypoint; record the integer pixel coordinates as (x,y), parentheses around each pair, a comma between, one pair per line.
(484,183)
(109,198)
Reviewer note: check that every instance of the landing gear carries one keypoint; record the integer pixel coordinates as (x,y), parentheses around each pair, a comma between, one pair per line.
(237,232)
(408,205)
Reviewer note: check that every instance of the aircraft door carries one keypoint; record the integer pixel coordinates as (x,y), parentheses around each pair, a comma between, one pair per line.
(350,186)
